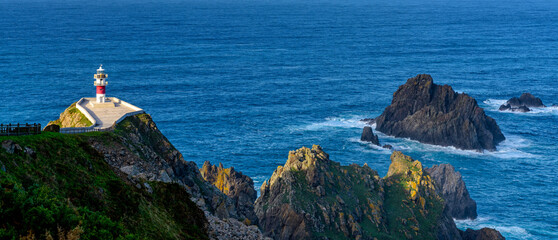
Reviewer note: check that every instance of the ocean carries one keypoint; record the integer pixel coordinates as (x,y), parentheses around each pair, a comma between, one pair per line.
(245,82)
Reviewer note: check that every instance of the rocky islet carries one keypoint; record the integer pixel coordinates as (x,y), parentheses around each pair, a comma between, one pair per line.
(522,104)
(435,114)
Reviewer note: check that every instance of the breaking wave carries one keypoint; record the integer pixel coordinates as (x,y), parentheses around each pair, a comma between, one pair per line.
(506,230)
(494,105)
(334,122)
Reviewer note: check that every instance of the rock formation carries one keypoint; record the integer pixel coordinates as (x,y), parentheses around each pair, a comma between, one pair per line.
(234,184)
(230,228)
(452,188)
(482,234)
(314,197)
(369,136)
(141,151)
(434,114)
(71,117)
(522,104)
(412,191)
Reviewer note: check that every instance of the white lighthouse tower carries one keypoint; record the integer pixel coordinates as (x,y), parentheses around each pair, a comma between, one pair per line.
(100,83)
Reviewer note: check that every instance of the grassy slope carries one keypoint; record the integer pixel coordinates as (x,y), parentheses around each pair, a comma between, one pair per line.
(79,120)
(68,189)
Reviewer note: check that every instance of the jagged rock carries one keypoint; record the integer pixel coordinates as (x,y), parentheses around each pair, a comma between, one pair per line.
(140,150)
(312,195)
(434,114)
(369,136)
(11,147)
(522,104)
(357,203)
(234,184)
(421,191)
(387,146)
(232,229)
(482,234)
(452,188)
(506,107)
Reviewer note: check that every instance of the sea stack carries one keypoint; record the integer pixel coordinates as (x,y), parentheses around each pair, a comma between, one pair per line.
(369,136)
(452,188)
(435,114)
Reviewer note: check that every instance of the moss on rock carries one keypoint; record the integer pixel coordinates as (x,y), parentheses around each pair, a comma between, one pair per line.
(71,117)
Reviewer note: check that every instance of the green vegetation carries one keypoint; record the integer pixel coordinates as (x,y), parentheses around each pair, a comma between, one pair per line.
(407,218)
(72,117)
(66,190)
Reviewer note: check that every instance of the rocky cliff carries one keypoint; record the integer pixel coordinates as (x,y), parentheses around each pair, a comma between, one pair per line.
(139,149)
(234,184)
(452,188)
(434,114)
(56,186)
(312,197)
(139,152)
(71,117)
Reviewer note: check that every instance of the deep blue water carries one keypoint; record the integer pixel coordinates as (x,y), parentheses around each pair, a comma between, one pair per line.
(243,83)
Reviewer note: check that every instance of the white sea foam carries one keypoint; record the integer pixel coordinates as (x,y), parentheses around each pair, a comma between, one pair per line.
(494,105)
(335,122)
(370,146)
(515,232)
(508,149)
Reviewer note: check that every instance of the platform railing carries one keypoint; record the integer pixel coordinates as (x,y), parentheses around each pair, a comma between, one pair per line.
(20,129)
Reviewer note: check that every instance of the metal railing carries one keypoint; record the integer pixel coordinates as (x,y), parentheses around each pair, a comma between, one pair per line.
(20,129)
(84,130)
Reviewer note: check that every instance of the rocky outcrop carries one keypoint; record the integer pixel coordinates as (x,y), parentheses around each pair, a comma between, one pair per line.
(234,184)
(311,196)
(412,192)
(434,114)
(140,150)
(314,197)
(482,234)
(452,188)
(232,229)
(369,136)
(71,117)
(522,104)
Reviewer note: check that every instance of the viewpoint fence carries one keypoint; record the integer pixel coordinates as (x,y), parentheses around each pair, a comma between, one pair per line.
(20,129)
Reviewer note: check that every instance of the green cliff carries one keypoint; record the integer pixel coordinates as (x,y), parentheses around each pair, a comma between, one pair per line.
(58,186)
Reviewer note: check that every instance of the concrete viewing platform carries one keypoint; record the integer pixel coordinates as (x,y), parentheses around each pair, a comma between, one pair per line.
(105,115)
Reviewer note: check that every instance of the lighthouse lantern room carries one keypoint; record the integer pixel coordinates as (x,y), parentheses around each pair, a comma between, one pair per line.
(100,83)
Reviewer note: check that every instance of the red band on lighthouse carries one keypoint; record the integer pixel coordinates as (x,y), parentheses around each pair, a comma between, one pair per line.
(100,89)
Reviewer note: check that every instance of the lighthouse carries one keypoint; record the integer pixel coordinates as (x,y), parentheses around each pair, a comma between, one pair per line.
(100,83)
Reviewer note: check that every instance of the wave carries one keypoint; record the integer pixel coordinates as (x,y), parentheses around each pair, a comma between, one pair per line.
(508,149)
(494,104)
(334,122)
(371,147)
(507,231)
